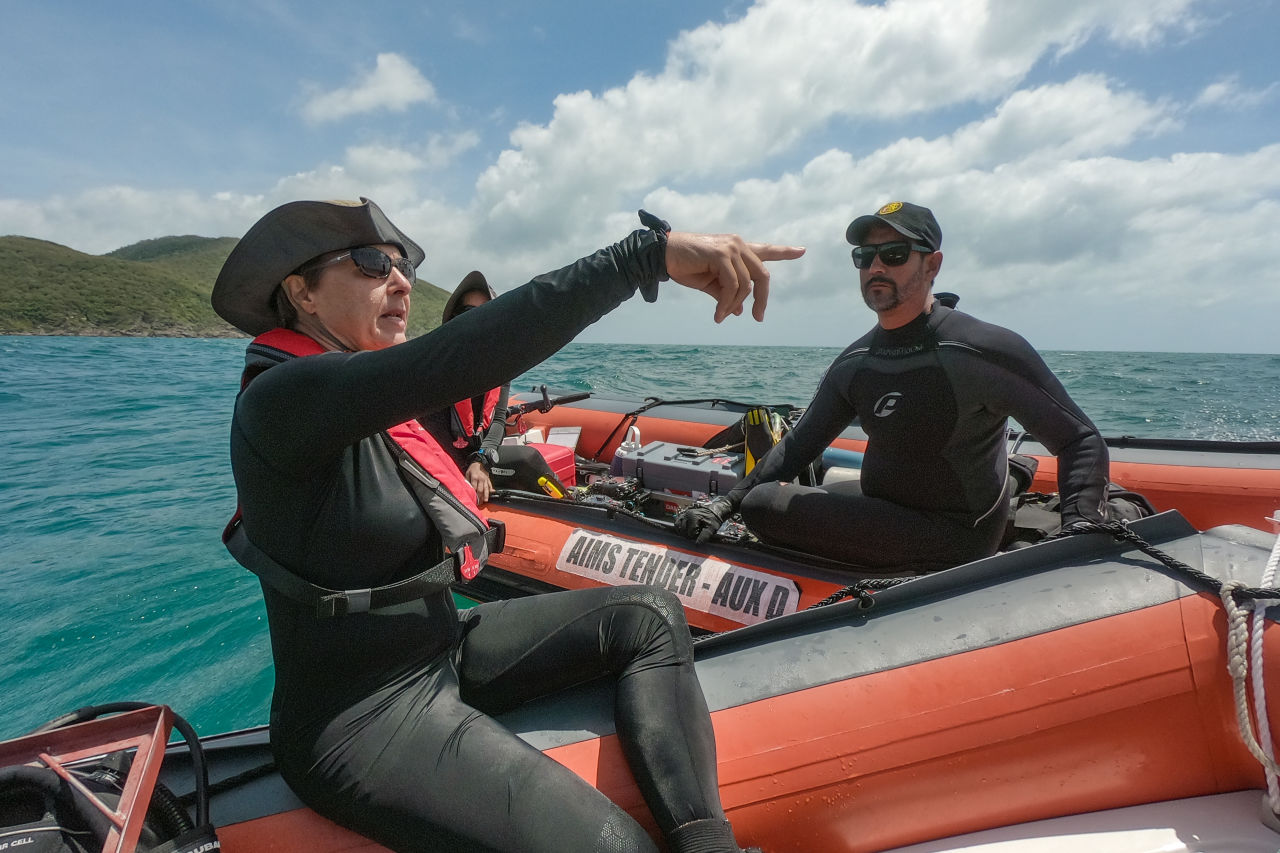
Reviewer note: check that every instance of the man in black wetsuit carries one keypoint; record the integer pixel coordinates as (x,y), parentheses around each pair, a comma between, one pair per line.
(933,389)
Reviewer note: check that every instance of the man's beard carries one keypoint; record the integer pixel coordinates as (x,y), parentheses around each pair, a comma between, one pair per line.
(891,297)
(881,300)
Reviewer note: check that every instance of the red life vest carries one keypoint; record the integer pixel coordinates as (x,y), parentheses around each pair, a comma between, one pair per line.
(464,418)
(410,435)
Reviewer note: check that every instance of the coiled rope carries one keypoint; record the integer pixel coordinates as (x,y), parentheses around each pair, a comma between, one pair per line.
(1245,651)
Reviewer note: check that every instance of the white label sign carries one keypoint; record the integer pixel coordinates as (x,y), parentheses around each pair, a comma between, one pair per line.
(704,584)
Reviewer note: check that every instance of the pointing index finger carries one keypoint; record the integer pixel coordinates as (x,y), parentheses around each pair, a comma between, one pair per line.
(759,253)
(774,252)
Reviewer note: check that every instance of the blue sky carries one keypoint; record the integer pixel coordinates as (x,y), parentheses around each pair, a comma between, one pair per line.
(1106,172)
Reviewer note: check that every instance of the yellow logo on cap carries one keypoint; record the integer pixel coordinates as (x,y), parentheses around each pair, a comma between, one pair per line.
(891,207)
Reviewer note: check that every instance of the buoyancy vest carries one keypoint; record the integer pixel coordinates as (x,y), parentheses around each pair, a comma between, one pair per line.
(428,472)
(463,419)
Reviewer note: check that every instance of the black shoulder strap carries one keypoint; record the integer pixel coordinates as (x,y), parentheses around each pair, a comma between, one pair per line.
(336,602)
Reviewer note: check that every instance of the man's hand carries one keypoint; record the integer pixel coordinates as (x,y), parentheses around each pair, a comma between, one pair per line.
(700,521)
(478,477)
(725,266)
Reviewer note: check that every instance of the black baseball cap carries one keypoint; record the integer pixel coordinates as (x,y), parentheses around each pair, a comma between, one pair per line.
(909,220)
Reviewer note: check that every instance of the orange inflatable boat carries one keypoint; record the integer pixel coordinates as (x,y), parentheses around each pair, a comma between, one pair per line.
(631,464)
(1069,677)
(1077,675)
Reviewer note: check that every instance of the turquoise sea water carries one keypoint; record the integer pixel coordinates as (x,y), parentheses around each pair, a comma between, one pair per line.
(115,487)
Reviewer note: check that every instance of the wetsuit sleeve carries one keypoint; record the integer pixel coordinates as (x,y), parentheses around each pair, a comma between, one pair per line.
(1031,394)
(498,428)
(825,418)
(301,413)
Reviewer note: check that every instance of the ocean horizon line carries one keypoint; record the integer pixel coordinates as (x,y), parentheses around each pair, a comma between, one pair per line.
(246,339)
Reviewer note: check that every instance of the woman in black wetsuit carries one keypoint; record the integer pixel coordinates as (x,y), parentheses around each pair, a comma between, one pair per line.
(380,716)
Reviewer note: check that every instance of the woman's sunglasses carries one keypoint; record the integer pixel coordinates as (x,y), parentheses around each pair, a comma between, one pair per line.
(372,262)
(893,254)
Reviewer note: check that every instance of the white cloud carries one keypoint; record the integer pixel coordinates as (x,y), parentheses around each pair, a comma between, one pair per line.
(394,84)
(734,94)
(443,149)
(382,162)
(1226,93)
(115,216)
(787,122)
(1057,250)
(108,218)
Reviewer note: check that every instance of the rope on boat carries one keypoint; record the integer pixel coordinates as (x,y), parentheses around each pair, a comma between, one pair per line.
(700,452)
(860,590)
(1241,652)
(1259,683)
(1238,665)
(1259,679)
(1121,531)
(1245,651)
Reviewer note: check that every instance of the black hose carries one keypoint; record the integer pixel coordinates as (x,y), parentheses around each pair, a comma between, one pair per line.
(167,813)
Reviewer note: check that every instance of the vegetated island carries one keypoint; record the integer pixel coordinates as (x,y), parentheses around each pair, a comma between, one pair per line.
(155,288)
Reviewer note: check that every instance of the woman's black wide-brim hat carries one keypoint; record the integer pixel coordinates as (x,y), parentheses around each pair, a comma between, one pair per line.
(285,239)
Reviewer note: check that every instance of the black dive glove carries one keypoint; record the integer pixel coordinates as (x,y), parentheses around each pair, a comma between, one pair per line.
(700,521)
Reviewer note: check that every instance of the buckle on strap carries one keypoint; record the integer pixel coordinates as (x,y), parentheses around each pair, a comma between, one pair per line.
(347,601)
(463,564)
(496,535)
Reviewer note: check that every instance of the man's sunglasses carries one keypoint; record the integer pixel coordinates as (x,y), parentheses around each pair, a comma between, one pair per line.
(374,263)
(893,254)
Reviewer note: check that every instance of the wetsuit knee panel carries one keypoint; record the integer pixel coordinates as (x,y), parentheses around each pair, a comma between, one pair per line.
(646,623)
(760,503)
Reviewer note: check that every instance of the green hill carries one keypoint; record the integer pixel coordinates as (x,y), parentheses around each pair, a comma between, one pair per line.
(157,288)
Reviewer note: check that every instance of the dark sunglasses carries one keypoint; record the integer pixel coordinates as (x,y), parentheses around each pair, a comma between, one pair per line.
(893,254)
(372,262)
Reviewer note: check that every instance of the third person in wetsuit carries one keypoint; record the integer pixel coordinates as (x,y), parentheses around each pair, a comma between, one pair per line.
(471,430)
(934,389)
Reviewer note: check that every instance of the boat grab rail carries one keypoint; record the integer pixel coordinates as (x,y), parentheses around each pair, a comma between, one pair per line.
(1234,590)
(545,404)
(629,419)
(1133,442)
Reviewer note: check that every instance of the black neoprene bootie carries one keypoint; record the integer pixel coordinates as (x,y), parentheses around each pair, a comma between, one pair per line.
(706,836)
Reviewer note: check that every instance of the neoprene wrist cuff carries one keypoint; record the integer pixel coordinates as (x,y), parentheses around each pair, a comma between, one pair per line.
(660,229)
